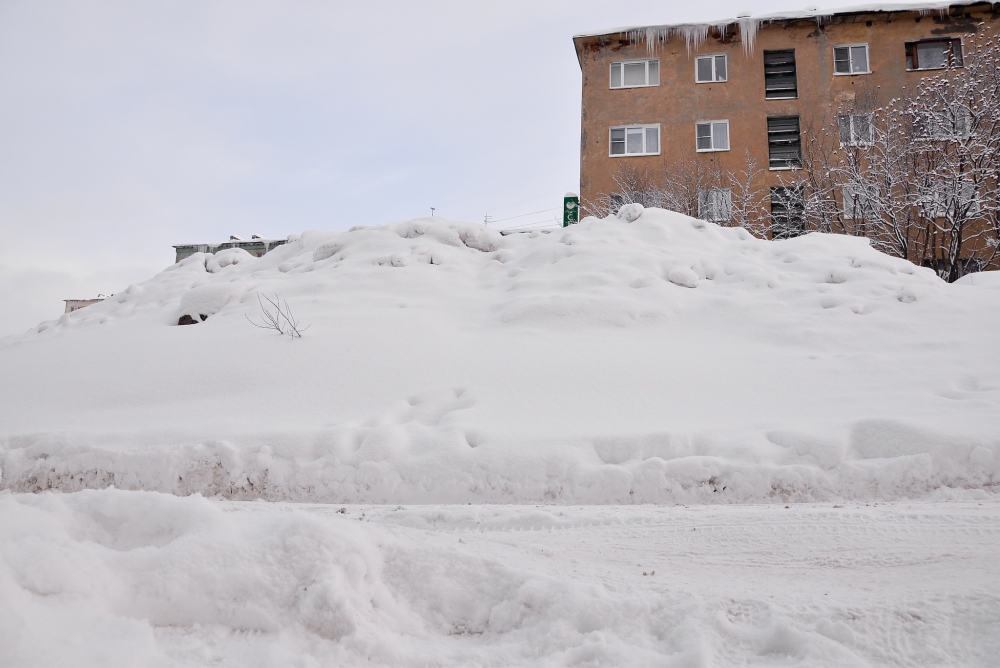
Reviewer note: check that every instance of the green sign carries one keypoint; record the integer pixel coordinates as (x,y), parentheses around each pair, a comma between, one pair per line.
(571,209)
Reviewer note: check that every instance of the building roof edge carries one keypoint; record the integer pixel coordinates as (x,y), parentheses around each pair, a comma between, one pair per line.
(872,8)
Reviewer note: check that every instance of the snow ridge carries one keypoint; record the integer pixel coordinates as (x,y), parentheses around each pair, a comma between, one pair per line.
(660,360)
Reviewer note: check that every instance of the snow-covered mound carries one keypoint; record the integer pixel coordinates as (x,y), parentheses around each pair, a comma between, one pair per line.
(112,579)
(651,357)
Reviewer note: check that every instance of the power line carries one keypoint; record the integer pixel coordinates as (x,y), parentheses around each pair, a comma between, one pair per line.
(522,215)
(534,222)
(506,185)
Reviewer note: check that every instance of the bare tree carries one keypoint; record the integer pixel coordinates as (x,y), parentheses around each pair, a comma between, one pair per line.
(955,117)
(750,203)
(281,319)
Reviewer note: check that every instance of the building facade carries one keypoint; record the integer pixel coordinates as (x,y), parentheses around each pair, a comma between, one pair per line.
(721,96)
(256,246)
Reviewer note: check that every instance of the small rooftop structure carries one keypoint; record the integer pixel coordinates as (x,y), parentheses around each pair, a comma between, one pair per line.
(256,246)
(77,304)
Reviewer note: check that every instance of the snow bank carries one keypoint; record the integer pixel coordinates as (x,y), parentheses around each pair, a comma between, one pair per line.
(117,578)
(645,358)
(983,279)
(113,578)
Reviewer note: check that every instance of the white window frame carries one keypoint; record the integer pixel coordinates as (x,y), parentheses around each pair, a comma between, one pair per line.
(851,131)
(715,74)
(622,63)
(626,128)
(850,60)
(712,125)
(936,202)
(939,125)
(856,198)
(706,212)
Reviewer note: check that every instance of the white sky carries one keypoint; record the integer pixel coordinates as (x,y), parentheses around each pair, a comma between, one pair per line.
(126,127)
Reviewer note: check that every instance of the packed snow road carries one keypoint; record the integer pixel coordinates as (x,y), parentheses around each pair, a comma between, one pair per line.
(138,578)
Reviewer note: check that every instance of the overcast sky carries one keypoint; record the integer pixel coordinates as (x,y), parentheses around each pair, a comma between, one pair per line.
(127,127)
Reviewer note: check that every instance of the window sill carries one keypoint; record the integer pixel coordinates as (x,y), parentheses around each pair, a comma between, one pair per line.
(711,82)
(636,86)
(711,150)
(934,69)
(632,155)
(782,169)
(850,74)
(793,97)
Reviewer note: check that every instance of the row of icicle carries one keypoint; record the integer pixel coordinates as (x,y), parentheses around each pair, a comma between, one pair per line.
(695,35)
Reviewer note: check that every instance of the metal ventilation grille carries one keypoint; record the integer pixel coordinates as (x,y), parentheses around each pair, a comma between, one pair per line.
(784,143)
(780,81)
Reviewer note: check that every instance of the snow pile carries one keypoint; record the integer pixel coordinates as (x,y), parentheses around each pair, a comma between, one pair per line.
(114,578)
(646,358)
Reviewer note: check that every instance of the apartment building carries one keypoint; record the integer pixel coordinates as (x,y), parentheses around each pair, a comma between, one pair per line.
(712,94)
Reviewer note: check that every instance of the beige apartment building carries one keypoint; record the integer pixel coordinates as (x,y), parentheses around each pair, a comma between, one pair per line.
(713,94)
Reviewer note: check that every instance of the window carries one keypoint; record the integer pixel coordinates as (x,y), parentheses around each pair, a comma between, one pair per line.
(715,205)
(956,197)
(784,144)
(712,136)
(856,130)
(780,82)
(934,54)
(859,201)
(787,212)
(710,68)
(946,124)
(635,140)
(851,59)
(634,73)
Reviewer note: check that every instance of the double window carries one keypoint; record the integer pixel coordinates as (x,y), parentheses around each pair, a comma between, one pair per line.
(956,197)
(635,73)
(780,80)
(784,143)
(851,59)
(635,140)
(946,124)
(715,205)
(934,54)
(712,136)
(856,130)
(709,69)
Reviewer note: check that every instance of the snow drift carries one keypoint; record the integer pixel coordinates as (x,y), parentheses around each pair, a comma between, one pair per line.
(647,358)
(114,578)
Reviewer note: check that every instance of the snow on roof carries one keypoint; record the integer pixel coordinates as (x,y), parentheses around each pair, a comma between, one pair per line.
(255,240)
(695,34)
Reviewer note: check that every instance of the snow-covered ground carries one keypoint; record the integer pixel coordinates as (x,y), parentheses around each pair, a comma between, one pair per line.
(652,358)
(817,424)
(114,578)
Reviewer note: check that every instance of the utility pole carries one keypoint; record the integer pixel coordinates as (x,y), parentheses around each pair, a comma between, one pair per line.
(432,212)
(486,220)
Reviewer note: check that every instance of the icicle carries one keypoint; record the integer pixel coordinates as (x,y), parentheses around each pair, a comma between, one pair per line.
(655,36)
(695,36)
(748,32)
